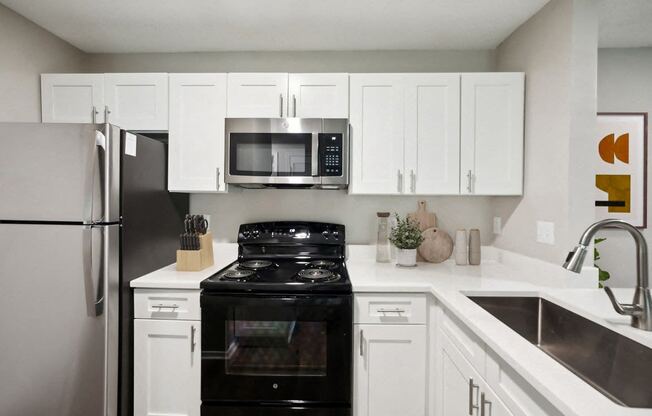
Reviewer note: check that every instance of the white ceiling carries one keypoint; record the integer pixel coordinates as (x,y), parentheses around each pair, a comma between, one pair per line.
(625,23)
(239,25)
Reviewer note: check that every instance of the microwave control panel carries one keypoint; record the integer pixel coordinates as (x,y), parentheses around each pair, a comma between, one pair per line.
(330,154)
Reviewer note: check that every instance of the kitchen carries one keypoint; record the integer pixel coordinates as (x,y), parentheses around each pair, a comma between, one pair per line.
(193,109)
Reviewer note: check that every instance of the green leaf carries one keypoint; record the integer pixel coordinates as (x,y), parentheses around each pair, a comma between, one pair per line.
(599,240)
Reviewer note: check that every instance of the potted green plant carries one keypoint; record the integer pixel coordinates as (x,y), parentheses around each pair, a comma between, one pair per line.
(406,236)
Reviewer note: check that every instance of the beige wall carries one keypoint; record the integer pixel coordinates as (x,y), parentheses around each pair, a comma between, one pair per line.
(357,213)
(26,51)
(335,61)
(624,85)
(557,50)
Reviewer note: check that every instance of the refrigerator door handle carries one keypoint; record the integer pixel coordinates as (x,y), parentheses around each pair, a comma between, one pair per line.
(98,158)
(96,292)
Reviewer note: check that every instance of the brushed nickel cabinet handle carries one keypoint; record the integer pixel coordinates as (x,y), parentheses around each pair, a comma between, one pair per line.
(281,104)
(192,338)
(469,177)
(473,388)
(483,405)
(107,111)
(294,104)
(413,181)
(94,115)
(217,178)
(400,181)
(361,343)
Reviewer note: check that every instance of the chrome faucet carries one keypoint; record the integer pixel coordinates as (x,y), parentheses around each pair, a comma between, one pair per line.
(641,308)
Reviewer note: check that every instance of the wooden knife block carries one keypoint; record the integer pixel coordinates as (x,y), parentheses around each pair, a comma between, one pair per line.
(196,260)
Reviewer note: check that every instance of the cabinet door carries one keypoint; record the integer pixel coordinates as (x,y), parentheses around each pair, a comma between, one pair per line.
(319,95)
(262,95)
(390,370)
(196,137)
(377,115)
(167,363)
(460,386)
(432,133)
(490,404)
(72,98)
(492,133)
(137,101)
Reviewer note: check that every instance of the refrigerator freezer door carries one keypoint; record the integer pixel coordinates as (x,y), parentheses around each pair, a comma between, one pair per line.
(59,172)
(56,359)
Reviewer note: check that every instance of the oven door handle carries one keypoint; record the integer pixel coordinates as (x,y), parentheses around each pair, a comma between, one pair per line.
(224,301)
(314,163)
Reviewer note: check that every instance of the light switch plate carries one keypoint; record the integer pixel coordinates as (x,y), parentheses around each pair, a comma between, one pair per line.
(546,232)
(498,225)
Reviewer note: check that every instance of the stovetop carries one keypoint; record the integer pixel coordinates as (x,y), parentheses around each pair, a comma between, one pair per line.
(286,257)
(281,275)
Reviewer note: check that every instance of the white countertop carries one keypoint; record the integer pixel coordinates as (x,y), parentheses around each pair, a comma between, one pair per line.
(502,273)
(169,278)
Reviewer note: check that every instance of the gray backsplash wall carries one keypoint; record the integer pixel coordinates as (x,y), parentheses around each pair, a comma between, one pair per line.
(356,212)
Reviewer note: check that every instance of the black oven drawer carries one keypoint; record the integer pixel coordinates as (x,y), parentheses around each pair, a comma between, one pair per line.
(208,410)
(276,348)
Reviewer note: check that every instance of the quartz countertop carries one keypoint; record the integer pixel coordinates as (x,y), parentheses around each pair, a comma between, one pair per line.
(501,273)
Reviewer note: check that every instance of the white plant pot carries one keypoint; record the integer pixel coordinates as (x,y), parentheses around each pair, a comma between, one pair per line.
(406,257)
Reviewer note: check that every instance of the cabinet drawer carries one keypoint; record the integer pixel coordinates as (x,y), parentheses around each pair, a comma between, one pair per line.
(390,309)
(166,304)
(470,346)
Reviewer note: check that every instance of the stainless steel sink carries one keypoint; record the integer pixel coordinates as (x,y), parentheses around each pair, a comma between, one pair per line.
(617,366)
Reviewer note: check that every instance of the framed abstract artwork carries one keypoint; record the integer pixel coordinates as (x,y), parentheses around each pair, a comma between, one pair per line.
(621,168)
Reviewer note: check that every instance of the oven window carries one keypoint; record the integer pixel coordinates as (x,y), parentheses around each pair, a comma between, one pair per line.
(276,348)
(267,154)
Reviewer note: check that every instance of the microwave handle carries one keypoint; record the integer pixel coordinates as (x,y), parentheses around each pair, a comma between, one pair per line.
(315,154)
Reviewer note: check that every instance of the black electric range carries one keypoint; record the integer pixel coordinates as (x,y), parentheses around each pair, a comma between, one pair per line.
(277,324)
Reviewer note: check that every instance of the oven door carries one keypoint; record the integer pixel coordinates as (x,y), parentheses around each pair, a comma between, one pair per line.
(276,349)
(273,158)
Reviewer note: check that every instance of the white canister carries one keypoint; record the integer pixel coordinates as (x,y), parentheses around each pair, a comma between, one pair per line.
(461,251)
(406,257)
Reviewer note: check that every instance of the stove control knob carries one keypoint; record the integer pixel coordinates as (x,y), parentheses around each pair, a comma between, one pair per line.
(246,234)
(336,235)
(325,233)
(256,233)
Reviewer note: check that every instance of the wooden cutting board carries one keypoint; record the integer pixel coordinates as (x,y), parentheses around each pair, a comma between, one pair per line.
(425,219)
(437,245)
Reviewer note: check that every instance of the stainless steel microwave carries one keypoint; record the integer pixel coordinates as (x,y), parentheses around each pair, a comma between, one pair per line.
(287,152)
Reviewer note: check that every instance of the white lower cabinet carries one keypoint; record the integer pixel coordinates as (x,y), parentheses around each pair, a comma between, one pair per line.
(472,380)
(390,355)
(464,391)
(167,360)
(390,367)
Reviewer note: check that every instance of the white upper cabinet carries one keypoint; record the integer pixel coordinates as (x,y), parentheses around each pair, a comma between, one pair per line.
(492,133)
(390,370)
(196,135)
(72,98)
(432,133)
(318,95)
(137,101)
(376,107)
(257,95)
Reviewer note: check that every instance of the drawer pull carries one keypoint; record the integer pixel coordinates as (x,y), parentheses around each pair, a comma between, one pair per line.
(392,310)
(483,405)
(161,306)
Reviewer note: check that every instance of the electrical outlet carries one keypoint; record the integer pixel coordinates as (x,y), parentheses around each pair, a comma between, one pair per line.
(546,232)
(498,225)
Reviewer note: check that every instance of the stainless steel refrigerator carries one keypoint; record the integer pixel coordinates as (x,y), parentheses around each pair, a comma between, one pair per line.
(84,209)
